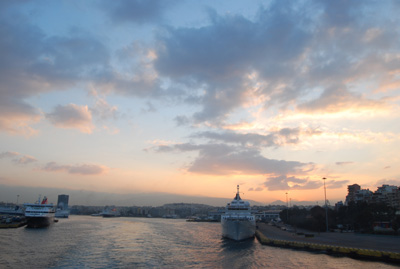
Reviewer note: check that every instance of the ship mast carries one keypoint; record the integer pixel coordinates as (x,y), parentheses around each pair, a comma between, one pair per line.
(237,197)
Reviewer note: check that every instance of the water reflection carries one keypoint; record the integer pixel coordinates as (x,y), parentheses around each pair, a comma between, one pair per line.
(230,245)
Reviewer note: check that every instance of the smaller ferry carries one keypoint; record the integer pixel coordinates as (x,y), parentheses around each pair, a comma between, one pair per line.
(238,223)
(62,210)
(110,212)
(39,214)
(62,213)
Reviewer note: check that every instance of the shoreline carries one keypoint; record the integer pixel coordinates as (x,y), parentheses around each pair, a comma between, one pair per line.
(371,247)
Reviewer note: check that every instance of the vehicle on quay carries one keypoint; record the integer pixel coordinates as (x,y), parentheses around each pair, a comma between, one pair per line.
(11,210)
(238,223)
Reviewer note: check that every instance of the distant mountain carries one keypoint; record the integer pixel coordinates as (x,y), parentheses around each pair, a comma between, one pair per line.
(278,202)
(295,202)
(91,198)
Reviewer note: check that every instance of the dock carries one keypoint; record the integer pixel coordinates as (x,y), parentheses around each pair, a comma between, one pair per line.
(11,221)
(360,246)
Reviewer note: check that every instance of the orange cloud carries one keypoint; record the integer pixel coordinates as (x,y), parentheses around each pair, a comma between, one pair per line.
(72,116)
(18,123)
(336,100)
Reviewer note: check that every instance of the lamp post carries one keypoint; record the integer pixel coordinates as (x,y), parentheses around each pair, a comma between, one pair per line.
(326,207)
(287,209)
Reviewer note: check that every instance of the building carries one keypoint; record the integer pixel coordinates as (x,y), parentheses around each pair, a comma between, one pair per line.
(62,201)
(364,195)
(393,198)
(387,194)
(268,215)
(351,196)
(384,193)
(338,205)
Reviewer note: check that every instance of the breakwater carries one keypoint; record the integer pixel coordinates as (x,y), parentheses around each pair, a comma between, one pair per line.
(332,249)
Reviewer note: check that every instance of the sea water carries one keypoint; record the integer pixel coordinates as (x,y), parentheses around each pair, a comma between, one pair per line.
(95,242)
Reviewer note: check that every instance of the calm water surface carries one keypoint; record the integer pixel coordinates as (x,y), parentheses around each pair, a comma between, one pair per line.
(94,242)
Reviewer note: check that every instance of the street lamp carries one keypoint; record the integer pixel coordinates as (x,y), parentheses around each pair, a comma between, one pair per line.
(326,207)
(287,209)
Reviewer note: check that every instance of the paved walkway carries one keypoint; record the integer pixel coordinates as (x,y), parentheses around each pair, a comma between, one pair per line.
(353,240)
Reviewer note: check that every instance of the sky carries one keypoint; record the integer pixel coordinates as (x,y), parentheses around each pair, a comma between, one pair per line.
(195,97)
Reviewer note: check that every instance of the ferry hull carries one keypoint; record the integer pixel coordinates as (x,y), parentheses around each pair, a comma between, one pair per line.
(39,222)
(238,229)
(110,216)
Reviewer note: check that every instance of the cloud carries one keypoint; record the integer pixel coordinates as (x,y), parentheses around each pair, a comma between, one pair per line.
(336,184)
(17,116)
(284,182)
(102,109)
(273,138)
(137,11)
(82,169)
(8,154)
(344,163)
(221,159)
(392,181)
(17,158)
(256,189)
(283,58)
(279,58)
(33,63)
(149,108)
(25,160)
(205,59)
(336,99)
(72,116)
(182,120)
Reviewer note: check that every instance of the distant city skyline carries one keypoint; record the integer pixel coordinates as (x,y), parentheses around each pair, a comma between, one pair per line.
(89,198)
(192,98)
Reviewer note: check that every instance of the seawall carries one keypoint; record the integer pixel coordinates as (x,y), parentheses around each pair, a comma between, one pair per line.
(333,244)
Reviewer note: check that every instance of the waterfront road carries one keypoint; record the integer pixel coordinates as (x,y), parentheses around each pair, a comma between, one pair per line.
(352,240)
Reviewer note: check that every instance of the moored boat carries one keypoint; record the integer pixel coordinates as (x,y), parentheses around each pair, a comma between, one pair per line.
(238,223)
(39,214)
(62,213)
(110,212)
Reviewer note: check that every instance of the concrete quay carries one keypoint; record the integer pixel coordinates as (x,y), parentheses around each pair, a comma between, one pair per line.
(364,246)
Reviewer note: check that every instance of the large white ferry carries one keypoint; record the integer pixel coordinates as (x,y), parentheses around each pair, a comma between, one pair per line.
(39,214)
(238,222)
